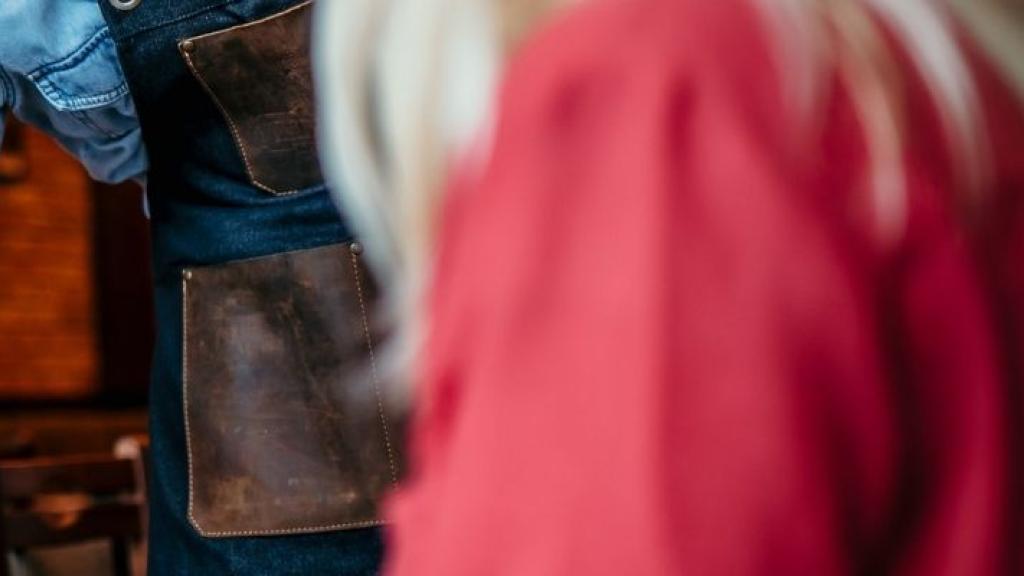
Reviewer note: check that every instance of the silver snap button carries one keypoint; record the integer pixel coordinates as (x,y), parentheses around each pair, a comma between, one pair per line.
(188,46)
(356,248)
(125,4)
(186,274)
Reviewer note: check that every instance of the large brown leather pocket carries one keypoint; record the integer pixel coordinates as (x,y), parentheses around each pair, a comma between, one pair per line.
(286,431)
(259,75)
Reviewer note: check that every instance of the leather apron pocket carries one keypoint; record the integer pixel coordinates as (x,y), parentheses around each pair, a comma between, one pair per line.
(286,431)
(260,76)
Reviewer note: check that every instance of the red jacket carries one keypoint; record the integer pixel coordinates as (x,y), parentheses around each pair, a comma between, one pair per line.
(665,341)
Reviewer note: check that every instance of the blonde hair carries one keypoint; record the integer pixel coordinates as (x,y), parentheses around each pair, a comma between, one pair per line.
(845,35)
(406,87)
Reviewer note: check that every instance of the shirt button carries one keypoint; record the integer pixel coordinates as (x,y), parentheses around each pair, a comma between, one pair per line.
(125,4)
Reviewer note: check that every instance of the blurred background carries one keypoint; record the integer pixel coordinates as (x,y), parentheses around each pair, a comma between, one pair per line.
(76,333)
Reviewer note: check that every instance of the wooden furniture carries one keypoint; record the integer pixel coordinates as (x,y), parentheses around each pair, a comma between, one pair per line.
(48,318)
(124,293)
(18,443)
(13,160)
(65,500)
(76,304)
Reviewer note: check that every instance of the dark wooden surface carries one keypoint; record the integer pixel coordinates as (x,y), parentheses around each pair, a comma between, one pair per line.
(48,343)
(116,521)
(54,501)
(94,474)
(124,293)
(76,312)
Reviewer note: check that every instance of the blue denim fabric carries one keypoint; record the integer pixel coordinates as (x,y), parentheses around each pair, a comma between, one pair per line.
(205,211)
(59,72)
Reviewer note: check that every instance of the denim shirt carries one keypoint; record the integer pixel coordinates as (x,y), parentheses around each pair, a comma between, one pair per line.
(59,72)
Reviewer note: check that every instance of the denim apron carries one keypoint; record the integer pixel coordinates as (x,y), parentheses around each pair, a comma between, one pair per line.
(259,466)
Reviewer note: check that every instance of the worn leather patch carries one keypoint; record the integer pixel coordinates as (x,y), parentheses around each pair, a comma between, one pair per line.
(286,431)
(259,74)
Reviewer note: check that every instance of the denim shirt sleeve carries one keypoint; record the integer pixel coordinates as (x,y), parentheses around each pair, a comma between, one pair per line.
(59,72)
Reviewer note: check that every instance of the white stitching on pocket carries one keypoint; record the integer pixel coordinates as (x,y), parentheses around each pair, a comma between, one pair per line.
(220,106)
(186,276)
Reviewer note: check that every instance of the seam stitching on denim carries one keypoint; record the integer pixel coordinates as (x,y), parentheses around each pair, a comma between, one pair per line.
(40,76)
(74,58)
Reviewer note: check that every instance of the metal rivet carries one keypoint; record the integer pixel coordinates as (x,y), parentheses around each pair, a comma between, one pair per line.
(188,46)
(356,248)
(125,4)
(187,274)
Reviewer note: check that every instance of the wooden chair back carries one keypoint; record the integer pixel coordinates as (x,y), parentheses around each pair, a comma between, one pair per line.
(62,500)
